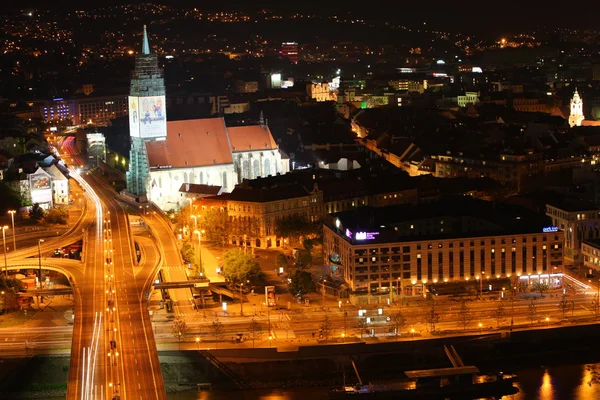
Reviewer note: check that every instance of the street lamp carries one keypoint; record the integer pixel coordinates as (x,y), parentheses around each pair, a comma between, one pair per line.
(198,342)
(40,259)
(4,228)
(199,233)
(412,331)
(547,322)
(324,281)
(12,218)
(195,221)
(270,340)
(480,328)
(241,300)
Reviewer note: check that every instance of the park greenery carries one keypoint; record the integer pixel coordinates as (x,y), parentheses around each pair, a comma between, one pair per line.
(36,213)
(56,215)
(239,267)
(9,289)
(281,261)
(294,227)
(301,283)
(11,199)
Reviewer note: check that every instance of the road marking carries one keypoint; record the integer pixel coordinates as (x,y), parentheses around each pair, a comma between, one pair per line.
(139,387)
(138,372)
(135,360)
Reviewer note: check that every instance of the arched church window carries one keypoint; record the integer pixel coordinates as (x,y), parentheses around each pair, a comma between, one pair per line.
(224,179)
(267,168)
(246,169)
(256,169)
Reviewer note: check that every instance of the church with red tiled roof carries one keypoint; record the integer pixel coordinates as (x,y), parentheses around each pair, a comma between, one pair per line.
(167,155)
(207,152)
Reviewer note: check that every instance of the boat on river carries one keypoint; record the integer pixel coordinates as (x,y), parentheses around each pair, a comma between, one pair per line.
(456,382)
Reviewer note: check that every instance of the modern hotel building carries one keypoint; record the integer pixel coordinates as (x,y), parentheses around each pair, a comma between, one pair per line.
(407,250)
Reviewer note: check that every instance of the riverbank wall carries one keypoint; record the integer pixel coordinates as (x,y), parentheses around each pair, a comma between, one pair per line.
(45,377)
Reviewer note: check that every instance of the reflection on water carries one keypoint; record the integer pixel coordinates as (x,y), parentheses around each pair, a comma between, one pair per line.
(557,383)
(564,382)
(291,394)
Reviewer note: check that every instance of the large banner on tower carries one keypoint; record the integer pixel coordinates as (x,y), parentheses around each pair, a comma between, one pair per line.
(147,116)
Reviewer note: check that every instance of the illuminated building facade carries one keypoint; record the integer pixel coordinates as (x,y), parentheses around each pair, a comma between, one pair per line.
(578,220)
(147,117)
(289,50)
(576,114)
(405,250)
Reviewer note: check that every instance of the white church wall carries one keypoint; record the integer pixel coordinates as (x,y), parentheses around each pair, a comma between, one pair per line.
(259,163)
(164,184)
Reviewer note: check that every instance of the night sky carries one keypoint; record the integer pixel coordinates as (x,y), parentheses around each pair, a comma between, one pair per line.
(480,17)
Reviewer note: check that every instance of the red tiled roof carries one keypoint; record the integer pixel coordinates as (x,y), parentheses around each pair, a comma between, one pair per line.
(191,143)
(247,138)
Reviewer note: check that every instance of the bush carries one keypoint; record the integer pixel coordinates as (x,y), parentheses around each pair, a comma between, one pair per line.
(58,216)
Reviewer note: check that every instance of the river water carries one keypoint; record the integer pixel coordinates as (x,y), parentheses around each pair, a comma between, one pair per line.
(559,382)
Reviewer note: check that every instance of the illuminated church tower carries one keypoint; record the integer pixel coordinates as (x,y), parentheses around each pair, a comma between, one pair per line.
(576,115)
(147,116)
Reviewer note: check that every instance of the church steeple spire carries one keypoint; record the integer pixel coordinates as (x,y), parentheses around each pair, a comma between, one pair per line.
(576,115)
(262,120)
(145,45)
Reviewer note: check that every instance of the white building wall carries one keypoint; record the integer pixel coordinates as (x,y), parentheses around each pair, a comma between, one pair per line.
(164,184)
(60,191)
(257,162)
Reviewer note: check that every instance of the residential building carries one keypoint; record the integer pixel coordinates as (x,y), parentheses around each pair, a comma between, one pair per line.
(408,250)
(254,212)
(60,185)
(578,220)
(318,91)
(590,251)
(515,170)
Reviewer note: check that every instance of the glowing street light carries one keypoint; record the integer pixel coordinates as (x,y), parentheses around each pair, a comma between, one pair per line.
(198,342)
(4,228)
(40,259)
(12,217)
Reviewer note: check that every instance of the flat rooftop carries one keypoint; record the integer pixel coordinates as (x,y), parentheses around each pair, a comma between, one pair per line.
(462,216)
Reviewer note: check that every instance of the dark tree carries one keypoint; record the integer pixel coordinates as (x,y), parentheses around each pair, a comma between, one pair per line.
(301,283)
(36,213)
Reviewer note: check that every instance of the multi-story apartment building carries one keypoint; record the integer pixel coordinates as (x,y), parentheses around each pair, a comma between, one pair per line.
(590,251)
(93,109)
(515,170)
(578,220)
(254,212)
(379,252)
(318,91)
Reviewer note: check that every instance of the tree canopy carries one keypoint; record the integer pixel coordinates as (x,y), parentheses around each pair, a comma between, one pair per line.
(216,225)
(293,227)
(239,267)
(301,283)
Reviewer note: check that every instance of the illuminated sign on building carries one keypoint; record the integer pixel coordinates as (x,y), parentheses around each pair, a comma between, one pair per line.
(348,233)
(550,229)
(366,235)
